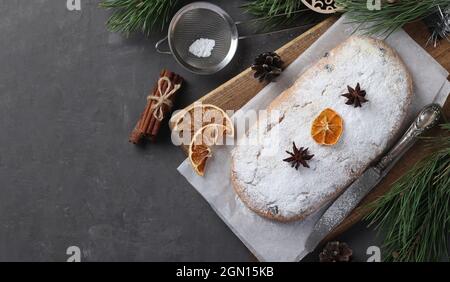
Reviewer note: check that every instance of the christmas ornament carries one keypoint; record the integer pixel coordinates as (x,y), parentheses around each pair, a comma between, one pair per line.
(321,6)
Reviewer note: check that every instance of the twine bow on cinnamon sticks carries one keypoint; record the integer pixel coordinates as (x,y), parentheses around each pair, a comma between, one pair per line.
(163,98)
(159,104)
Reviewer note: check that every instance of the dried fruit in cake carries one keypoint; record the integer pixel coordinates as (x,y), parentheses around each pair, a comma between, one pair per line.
(200,147)
(199,115)
(327,127)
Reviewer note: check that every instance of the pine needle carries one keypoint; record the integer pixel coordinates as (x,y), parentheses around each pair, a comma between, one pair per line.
(415,213)
(390,17)
(138,15)
(276,13)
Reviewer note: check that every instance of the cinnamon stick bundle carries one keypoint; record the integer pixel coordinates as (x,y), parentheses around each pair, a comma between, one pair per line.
(157,108)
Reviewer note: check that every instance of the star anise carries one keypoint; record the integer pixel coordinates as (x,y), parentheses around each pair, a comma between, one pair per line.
(355,96)
(298,157)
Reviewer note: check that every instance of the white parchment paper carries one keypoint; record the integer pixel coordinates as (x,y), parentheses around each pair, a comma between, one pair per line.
(270,240)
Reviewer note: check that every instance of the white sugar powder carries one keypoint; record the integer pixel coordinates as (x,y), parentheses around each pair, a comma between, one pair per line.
(202,47)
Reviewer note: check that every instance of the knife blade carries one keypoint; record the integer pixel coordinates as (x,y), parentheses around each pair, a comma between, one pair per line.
(343,205)
(350,198)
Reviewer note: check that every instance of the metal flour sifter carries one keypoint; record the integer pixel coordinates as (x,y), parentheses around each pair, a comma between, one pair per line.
(201,20)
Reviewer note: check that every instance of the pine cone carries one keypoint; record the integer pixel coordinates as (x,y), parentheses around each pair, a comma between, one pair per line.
(336,252)
(267,66)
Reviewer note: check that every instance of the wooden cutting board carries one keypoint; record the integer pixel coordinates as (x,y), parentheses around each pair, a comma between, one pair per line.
(236,92)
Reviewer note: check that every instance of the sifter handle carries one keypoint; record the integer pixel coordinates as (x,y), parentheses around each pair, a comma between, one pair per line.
(158,44)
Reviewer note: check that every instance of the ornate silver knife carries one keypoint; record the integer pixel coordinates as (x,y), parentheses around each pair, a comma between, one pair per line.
(344,204)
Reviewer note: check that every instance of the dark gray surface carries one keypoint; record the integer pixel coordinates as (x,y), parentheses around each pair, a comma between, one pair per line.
(70,92)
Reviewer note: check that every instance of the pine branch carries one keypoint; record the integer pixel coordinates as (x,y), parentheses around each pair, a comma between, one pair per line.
(391,16)
(276,13)
(415,213)
(138,15)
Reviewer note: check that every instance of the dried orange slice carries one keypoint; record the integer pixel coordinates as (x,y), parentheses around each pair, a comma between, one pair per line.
(200,147)
(199,115)
(327,128)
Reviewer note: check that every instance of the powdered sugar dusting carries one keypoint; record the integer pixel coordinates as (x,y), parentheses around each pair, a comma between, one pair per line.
(269,185)
(202,47)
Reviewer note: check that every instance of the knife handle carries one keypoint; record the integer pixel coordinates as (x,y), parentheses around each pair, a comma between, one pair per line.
(427,118)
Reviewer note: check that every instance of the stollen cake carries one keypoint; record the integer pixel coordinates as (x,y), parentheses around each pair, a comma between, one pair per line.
(271,187)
